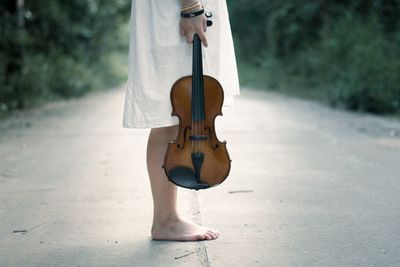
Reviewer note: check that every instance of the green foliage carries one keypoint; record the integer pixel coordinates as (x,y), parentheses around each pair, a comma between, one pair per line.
(63,49)
(345,51)
(359,66)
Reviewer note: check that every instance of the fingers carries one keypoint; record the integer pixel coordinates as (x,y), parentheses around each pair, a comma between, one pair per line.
(189,37)
(203,38)
(181,28)
(189,27)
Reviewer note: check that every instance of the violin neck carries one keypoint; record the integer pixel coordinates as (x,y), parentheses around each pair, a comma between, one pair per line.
(197,81)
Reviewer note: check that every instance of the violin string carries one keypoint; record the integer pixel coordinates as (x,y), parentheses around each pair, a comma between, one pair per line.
(201,101)
(199,90)
(198,94)
(194,95)
(202,104)
(195,92)
(198,100)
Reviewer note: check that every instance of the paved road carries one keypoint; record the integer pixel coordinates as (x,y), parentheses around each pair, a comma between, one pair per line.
(309,187)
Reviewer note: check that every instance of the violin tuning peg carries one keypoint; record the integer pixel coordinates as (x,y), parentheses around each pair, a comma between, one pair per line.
(208,14)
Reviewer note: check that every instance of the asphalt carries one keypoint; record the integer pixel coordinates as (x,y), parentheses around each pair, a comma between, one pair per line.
(309,186)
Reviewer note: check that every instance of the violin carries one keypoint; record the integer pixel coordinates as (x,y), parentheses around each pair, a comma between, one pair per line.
(196,159)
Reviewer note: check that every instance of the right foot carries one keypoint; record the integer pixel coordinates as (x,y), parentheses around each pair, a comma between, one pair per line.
(178,229)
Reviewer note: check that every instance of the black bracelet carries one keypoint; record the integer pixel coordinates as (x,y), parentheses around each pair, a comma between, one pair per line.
(192,14)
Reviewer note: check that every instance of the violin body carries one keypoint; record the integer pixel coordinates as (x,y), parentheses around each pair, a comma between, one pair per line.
(196,159)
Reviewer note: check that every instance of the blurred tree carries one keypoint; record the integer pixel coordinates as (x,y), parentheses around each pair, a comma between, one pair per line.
(14,48)
(295,40)
(54,47)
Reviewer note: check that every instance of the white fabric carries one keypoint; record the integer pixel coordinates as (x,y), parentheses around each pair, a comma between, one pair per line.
(159,55)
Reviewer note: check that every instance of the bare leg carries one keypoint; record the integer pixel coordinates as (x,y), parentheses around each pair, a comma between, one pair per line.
(167,224)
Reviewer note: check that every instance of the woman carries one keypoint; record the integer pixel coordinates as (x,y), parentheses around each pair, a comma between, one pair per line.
(160,53)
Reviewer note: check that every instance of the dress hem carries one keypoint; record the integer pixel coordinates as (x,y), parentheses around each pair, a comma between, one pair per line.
(149,125)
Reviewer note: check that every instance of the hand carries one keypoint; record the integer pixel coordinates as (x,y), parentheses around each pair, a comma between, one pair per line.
(189,26)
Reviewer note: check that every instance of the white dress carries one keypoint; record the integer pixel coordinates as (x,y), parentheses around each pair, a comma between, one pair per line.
(159,55)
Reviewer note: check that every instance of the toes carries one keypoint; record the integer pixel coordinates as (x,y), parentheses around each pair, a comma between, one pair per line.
(214,231)
(198,237)
(208,236)
(212,234)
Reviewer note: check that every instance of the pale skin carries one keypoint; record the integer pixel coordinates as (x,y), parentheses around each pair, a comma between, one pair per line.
(167,223)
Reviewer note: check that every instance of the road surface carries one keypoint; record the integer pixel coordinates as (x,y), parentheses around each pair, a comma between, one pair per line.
(309,186)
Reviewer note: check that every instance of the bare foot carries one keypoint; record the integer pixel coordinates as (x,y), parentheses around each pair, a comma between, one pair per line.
(178,229)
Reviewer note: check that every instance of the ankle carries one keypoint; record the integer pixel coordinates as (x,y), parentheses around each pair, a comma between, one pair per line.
(164,219)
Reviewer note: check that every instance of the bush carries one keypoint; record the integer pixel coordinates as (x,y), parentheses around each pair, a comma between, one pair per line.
(355,65)
(343,51)
(62,50)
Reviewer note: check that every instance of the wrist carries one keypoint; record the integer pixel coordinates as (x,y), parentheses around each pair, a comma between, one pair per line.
(192,14)
(192,10)
(191,7)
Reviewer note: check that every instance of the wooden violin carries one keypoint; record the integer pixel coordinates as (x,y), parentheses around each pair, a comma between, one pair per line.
(196,159)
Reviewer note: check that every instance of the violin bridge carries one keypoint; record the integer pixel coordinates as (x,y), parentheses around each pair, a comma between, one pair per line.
(198,137)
